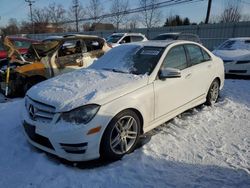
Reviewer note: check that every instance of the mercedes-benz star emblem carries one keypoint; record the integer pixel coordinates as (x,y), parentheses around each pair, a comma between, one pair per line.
(32,111)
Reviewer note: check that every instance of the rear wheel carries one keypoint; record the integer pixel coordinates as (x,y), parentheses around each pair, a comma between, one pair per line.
(213,93)
(121,135)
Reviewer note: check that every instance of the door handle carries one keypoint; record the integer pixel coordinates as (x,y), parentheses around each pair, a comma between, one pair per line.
(209,66)
(188,75)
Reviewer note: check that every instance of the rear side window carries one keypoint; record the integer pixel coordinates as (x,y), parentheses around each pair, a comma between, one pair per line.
(126,39)
(206,56)
(195,54)
(136,38)
(176,58)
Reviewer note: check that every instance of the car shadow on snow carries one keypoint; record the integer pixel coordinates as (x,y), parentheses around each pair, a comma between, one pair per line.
(237,77)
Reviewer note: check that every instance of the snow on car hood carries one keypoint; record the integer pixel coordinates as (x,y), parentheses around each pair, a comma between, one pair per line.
(234,55)
(85,86)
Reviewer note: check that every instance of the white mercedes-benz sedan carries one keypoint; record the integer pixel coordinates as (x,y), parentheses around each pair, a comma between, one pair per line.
(101,111)
(235,53)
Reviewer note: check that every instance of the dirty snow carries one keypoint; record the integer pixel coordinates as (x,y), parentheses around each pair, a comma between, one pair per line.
(79,87)
(203,147)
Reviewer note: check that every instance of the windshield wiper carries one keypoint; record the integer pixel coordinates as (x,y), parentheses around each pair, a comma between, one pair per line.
(115,70)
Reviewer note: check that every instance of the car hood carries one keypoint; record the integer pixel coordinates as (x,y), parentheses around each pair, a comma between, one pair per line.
(85,86)
(233,55)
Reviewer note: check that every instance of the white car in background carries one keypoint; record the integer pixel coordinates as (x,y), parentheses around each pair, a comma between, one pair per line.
(121,38)
(235,53)
(133,88)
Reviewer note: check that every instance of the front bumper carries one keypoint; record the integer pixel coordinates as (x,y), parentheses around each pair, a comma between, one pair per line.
(70,142)
(236,68)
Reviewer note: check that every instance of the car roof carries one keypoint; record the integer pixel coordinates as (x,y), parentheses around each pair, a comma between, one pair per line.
(127,34)
(162,43)
(169,34)
(240,38)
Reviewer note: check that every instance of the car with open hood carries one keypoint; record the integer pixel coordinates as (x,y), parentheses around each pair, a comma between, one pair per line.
(235,53)
(22,44)
(101,111)
(50,58)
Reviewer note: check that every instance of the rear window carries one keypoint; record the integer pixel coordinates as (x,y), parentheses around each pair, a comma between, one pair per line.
(22,44)
(166,37)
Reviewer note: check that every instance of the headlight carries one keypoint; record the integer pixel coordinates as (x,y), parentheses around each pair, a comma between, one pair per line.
(81,115)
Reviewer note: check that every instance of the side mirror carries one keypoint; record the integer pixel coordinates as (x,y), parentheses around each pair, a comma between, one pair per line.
(169,73)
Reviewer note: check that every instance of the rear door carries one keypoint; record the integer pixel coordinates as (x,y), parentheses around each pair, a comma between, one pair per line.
(201,65)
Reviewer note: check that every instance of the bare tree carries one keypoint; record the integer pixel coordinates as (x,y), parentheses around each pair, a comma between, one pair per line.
(118,8)
(56,13)
(150,16)
(232,12)
(12,27)
(94,10)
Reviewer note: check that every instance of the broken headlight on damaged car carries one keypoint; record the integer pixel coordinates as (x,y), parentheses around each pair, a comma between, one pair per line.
(81,115)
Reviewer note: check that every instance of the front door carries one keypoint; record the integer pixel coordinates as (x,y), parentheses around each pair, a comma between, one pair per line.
(172,93)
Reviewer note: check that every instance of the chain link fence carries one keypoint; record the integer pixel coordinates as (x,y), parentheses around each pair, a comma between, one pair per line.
(211,34)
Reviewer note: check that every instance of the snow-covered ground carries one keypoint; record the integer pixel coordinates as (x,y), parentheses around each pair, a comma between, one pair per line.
(203,147)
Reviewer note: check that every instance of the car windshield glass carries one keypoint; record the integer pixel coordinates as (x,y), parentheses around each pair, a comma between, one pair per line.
(166,37)
(234,45)
(134,59)
(114,38)
(45,47)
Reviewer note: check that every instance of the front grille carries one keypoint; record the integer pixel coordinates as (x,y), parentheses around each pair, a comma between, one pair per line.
(39,111)
(237,71)
(227,61)
(31,132)
(243,62)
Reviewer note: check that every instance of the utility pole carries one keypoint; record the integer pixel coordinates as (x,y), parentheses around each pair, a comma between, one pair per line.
(76,5)
(208,11)
(31,15)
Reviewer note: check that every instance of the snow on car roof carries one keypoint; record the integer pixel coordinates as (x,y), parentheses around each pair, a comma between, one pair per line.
(240,38)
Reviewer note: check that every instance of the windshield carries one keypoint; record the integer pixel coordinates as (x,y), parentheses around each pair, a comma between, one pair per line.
(114,38)
(166,37)
(235,44)
(134,59)
(45,47)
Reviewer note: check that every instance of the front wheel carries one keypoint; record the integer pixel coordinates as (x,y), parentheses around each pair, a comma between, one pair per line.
(213,93)
(121,135)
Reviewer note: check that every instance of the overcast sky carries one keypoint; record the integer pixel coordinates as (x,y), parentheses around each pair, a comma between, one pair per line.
(19,9)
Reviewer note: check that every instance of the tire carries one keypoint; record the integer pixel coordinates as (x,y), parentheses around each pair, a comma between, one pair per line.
(213,93)
(121,136)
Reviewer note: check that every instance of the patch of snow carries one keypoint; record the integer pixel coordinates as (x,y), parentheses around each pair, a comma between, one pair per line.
(203,147)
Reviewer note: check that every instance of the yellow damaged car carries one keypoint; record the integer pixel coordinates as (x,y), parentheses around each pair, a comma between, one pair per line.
(47,59)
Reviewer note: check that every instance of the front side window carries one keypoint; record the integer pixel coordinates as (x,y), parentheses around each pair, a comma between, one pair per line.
(176,58)
(114,38)
(195,54)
